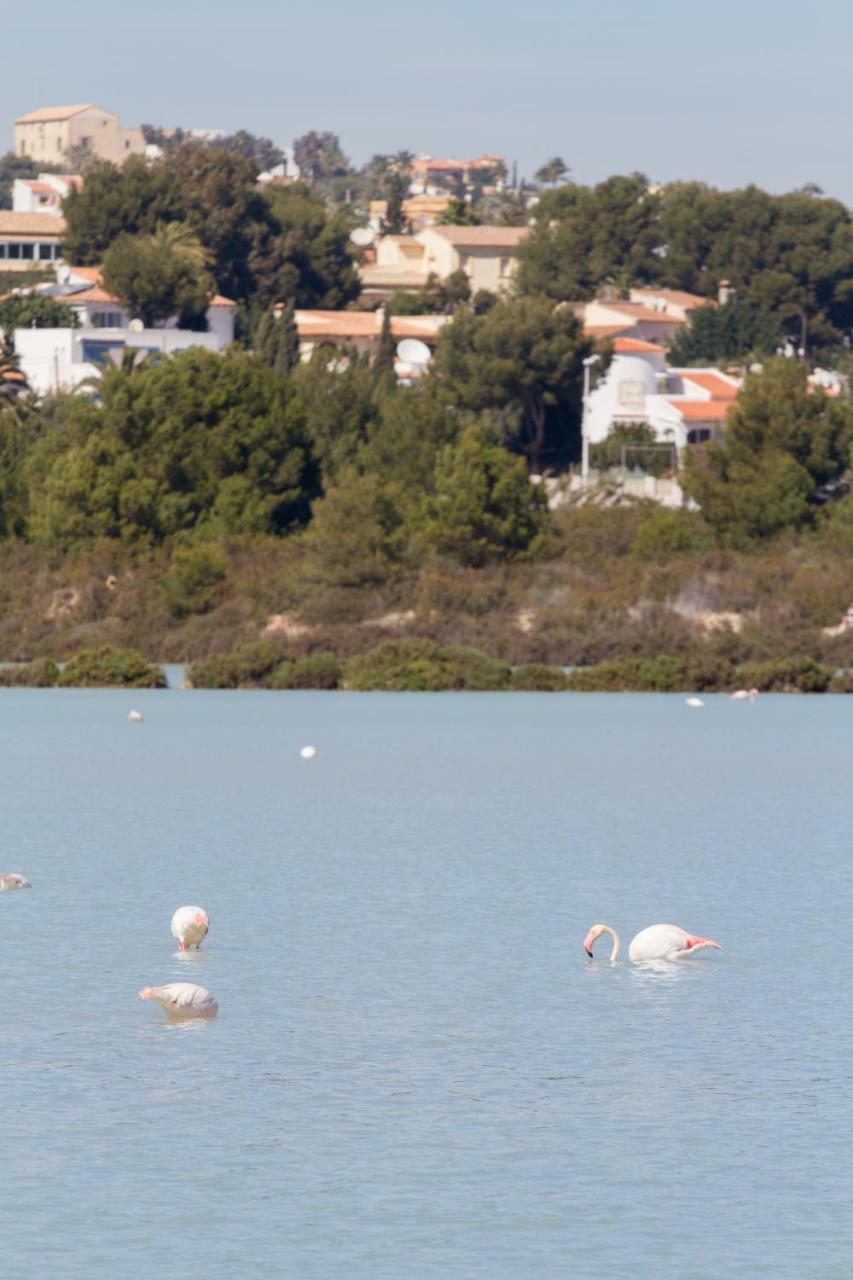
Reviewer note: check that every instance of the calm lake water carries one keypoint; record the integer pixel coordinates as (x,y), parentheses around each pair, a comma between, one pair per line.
(415,1071)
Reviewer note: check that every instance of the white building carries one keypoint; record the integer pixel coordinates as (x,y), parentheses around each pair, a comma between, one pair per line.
(45,193)
(61,359)
(680,406)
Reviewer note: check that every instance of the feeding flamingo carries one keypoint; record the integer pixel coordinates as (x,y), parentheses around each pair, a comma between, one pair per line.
(10,880)
(182,1000)
(189,926)
(744,695)
(658,942)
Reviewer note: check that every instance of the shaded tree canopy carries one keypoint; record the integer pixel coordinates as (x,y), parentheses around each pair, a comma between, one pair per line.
(791,255)
(319,155)
(522,358)
(735,331)
(34,312)
(782,443)
(161,275)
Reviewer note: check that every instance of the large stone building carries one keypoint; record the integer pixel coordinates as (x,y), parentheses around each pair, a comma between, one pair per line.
(51,134)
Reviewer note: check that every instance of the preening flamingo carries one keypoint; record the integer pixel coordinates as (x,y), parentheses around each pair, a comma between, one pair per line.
(189,926)
(744,695)
(10,880)
(658,942)
(182,1000)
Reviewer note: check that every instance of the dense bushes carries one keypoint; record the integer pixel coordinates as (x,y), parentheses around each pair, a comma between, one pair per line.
(785,675)
(105,667)
(417,666)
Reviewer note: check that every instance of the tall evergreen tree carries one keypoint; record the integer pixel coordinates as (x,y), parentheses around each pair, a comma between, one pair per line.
(287,353)
(395,222)
(387,350)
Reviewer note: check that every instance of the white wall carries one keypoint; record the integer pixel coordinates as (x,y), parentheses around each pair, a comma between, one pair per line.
(54,359)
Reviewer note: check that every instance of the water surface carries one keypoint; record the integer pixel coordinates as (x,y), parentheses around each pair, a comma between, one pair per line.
(415,1071)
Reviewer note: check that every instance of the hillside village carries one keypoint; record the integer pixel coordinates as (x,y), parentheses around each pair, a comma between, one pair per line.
(634,326)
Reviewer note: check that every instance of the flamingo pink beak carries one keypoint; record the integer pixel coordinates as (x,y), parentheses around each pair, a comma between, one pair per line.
(587,944)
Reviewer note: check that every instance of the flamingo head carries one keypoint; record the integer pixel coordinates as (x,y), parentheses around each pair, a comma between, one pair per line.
(201,919)
(595,932)
(147,993)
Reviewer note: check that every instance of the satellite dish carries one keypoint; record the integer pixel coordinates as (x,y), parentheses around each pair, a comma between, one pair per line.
(116,354)
(413,351)
(136,326)
(362,236)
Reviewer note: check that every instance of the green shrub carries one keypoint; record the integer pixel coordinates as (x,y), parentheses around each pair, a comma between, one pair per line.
(841,682)
(317,671)
(669,533)
(106,666)
(644,675)
(785,675)
(249,667)
(421,666)
(194,582)
(40,674)
(539,678)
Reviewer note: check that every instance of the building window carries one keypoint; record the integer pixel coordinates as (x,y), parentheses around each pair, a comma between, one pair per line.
(59,144)
(107,320)
(2,251)
(23,147)
(45,252)
(27,250)
(14,251)
(505,268)
(57,251)
(86,143)
(698,435)
(95,352)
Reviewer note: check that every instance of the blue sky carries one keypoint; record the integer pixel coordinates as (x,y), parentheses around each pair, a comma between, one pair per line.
(731,92)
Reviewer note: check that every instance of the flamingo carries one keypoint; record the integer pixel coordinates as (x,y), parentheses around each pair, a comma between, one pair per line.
(182,1000)
(658,942)
(744,695)
(10,880)
(694,702)
(134,717)
(189,926)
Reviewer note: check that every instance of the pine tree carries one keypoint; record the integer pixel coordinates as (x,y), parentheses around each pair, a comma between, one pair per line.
(386,351)
(395,222)
(266,338)
(287,346)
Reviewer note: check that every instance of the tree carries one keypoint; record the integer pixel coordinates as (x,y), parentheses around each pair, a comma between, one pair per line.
(783,443)
(395,222)
(319,155)
(356,537)
(196,441)
(161,275)
(485,507)
(458,213)
(277,338)
(386,351)
(522,358)
(313,261)
(552,172)
(32,311)
(735,331)
(115,201)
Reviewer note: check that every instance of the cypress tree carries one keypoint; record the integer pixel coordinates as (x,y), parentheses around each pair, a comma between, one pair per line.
(386,352)
(287,345)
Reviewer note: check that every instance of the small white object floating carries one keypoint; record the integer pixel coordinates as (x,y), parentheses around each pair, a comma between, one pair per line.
(694,702)
(134,716)
(189,926)
(182,1000)
(308,753)
(744,695)
(10,880)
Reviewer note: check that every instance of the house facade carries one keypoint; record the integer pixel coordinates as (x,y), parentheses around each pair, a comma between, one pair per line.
(360,330)
(30,240)
(45,193)
(61,359)
(487,256)
(49,134)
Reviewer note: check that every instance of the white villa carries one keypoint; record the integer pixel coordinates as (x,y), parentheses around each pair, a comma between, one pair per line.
(61,359)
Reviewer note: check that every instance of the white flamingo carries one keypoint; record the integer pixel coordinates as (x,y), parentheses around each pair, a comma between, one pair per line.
(10,880)
(744,695)
(189,926)
(182,1000)
(658,942)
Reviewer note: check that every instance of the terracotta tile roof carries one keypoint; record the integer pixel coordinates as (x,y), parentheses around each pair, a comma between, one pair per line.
(606,330)
(87,273)
(53,113)
(702,410)
(95,294)
(638,311)
(35,185)
(30,224)
(482,237)
(218,301)
(715,383)
(624,346)
(679,297)
(364,324)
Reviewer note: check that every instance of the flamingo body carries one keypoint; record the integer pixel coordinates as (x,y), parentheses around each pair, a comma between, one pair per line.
(666,942)
(182,1000)
(189,926)
(10,880)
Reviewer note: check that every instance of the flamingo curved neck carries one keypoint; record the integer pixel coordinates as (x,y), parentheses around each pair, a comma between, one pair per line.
(617,942)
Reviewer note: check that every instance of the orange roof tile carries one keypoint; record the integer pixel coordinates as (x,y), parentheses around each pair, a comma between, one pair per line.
(719,386)
(53,113)
(218,301)
(482,237)
(638,311)
(623,346)
(679,297)
(702,410)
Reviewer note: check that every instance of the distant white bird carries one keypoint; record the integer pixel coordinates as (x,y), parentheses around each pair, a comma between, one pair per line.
(308,753)
(10,880)
(134,716)
(189,926)
(182,1000)
(694,702)
(744,695)
(658,942)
